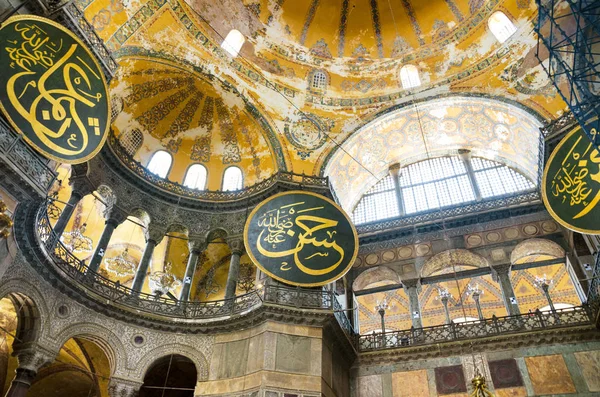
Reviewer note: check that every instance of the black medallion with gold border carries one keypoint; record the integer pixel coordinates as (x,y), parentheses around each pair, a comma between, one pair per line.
(52,89)
(301,238)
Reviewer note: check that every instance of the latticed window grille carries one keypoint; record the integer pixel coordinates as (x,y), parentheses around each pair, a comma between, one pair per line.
(495,179)
(319,80)
(378,203)
(438,183)
(160,163)
(233,179)
(132,141)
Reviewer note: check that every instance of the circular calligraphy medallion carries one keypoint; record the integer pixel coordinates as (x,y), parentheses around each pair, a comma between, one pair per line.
(301,238)
(571,183)
(52,89)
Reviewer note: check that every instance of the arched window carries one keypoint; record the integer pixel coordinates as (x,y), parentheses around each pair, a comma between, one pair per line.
(160,163)
(501,27)
(378,203)
(195,177)
(232,179)
(466,319)
(319,80)
(495,179)
(409,77)
(132,141)
(233,42)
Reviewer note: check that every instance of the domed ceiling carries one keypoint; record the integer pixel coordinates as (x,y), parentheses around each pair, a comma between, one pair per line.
(360,46)
(195,118)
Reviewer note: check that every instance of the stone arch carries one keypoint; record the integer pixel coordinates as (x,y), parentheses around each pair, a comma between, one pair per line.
(106,339)
(215,234)
(536,246)
(190,352)
(32,313)
(454,257)
(375,275)
(142,215)
(178,228)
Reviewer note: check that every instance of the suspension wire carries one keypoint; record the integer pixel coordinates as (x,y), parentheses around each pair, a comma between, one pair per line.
(274,88)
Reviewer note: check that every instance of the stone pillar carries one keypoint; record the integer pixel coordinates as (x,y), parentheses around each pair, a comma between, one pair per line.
(237,248)
(119,387)
(508,293)
(411,287)
(31,358)
(80,188)
(395,170)
(445,303)
(115,218)
(196,248)
(465,156)
(153,238)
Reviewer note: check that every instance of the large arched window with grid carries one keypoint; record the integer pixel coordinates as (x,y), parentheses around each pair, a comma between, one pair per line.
(160,163)
(233,179)
(501,26)
(132,141)
(195,177)
(436,183)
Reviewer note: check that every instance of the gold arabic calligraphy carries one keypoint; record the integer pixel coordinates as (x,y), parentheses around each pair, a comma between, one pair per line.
(54,101)
(576,180)
(278,226)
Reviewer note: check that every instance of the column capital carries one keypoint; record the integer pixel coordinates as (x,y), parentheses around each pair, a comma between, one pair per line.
(116,216)
(464,154)
(119,387)
(197,245)
(81,185)
(154,233)
(411,283)
(236,244)
(395,169)
(502,268)
(32,356)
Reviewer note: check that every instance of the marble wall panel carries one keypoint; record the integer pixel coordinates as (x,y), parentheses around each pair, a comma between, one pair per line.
(549,375)
(234,359)
(370,386)
(410,384)
(589,362)
(511,392)
(293,354)
(505,373)
(450,380)
(256,356)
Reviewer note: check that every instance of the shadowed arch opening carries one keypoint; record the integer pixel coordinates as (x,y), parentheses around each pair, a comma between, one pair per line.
(452,260)
(377,276)
(170,376)
(535,247)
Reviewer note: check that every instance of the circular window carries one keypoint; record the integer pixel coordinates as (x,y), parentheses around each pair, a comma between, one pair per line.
(63,311)
(138,340)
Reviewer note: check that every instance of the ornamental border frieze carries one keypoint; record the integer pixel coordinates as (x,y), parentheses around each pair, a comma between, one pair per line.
(484,345)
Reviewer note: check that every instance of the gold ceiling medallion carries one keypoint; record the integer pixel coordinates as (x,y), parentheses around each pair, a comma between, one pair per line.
(571,183)
(52,89)
(301,238)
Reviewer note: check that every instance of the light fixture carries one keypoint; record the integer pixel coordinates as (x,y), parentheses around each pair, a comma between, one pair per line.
(162,282)
(76,241)
(121,265)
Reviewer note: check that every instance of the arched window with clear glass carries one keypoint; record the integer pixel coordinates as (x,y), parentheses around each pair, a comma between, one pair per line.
(319,80)
(160,163)
(232,179)
(195,177)
(501,26)
(409,77)
(233,42)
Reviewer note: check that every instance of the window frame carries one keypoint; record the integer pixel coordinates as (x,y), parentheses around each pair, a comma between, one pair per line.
(408,69)
(504,28)
(227,45)
(169,168)
(225,174)
(185,175)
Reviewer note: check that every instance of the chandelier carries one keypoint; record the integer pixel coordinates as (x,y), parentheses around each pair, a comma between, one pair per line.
(121,265)
(76,241)
(162,282)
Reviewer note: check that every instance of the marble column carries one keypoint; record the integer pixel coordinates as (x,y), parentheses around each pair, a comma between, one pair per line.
(237,248)
(119,387)
(80,187)
(508,293)
(31,358)
(395,171)
(153,238)
(115,218)
(411,287)
(196,248)
(465,156)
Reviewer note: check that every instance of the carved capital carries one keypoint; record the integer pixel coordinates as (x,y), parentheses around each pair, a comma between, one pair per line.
(464,154)
(197,246)
(154,233)
(116,215)
(502,268)
(81,185)
(236,245)
(32,357)
(411,283)
(123,387)
(395,169)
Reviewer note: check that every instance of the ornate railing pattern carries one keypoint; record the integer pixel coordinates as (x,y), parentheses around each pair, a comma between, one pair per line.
(112,292)
(475,329)
(593,298)
(25,159)
(307,181)
(447,213)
